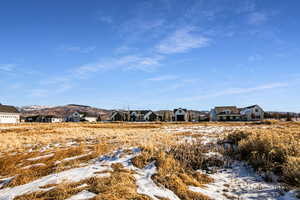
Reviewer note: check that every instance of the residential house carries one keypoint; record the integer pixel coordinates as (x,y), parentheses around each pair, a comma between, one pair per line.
(57,119)
(44,118)
(137,115)
(150,116)
(90,117)
(232,113)
(119,116)
(83,117)
(225,113)
(9,114)
(180,115)
(252,113)
(74,117)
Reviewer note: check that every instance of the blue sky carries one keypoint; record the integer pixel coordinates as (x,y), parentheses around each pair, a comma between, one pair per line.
(154,54)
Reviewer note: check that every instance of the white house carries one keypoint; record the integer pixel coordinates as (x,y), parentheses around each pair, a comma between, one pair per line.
(180,114)
(9,114)
(57,119)
(89,117)
(82,116)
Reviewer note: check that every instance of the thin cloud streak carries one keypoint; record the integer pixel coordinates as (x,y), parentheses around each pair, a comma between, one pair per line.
(78,49)
(232,91)
(129,62)
(182,40)
(164,78)
(7,67)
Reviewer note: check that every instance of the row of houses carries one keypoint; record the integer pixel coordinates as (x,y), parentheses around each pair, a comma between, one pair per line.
(179,114)
(9,114)
(73,117)
(221,113)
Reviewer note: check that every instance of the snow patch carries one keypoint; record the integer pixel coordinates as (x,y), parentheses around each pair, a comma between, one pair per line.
(83,195)
(147,187)
(72,158)
(41,157)
(35,165)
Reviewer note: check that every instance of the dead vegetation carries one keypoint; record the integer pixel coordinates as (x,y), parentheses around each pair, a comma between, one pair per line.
(176,168)
(273,150)
(25,167)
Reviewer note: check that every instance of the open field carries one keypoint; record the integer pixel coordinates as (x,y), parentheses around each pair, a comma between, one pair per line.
(150,161)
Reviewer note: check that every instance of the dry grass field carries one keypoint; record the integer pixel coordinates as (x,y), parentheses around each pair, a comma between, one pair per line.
(144,160)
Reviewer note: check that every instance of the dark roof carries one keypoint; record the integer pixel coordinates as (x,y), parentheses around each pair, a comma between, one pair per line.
(87,114)
(185,110)
(8,109)
(143,112)
(249,107)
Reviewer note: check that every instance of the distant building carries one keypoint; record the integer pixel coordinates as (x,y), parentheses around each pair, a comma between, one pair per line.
(9,114)
(232,113)
(90,117)
(225,113)
(83,117)
(44,118)
(150,116)
(116,116)
(138,115)
(180,115)
(119,116)
(74,117)
(252,113)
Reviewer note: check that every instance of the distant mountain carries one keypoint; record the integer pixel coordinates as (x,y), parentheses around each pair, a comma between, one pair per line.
(64,110)
(33,107)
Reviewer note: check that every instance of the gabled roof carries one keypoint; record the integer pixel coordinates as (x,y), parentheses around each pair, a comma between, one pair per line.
(185,110)
(8,109)
(250,107)
(222,109)
(143,112)
(149,113)
(90,115)
(115,113)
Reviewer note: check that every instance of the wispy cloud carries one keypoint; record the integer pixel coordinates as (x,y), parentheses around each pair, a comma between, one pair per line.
(181,41)
(7,67)
(129,62)
(232,91)
(105,19)
(255,57)
(38,92)
(125,49)
(163,78)
(78,49)
(257,18)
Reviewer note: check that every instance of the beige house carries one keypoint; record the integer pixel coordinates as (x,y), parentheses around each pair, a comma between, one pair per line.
(232,113)
(9,114)
(225,113)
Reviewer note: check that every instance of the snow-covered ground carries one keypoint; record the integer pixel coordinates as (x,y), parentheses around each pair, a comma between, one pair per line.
(237,180)
(234,181)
